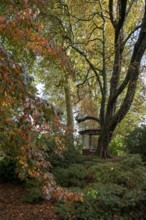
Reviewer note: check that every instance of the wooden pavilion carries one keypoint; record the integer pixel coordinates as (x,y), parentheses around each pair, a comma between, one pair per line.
(89,140)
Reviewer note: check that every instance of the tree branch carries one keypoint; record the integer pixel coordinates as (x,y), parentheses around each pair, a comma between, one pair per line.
(122,12)
(132,74)
(91,66)
(86,78)
(87,117)
(111,13)
(130,34)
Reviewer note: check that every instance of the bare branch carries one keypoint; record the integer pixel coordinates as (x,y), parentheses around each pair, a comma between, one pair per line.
(94,29)
(130,34)
(85,79)
(85,19)
(91,66)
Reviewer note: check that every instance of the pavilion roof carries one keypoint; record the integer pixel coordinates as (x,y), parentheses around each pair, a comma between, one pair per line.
(93,131)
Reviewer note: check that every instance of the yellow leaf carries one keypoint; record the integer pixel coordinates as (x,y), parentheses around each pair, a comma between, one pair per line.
(3,103)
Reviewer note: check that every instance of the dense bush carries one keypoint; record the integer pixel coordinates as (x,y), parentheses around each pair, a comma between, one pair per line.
(113,190)
(74,176)
(34,192)
(135,142)
(61,159)
(126,172)
(67,158)
(108,202)
(8,170)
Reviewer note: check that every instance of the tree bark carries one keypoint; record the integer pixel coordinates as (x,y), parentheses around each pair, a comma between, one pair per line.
(103,143)
(69,112)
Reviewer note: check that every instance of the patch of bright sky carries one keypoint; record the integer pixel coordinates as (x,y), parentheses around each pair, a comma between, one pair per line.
(40,89)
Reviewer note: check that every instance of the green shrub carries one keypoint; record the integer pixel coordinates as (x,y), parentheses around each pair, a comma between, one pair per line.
(131,161)
(116,191)
(106,202)
(127,171)
(34,194)
(87,210)
(68,156)
(75,176)
(8,171)
(135,142)
(66,159)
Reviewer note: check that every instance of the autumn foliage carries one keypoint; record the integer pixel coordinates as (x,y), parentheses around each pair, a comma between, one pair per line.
(27,124)
(27,29)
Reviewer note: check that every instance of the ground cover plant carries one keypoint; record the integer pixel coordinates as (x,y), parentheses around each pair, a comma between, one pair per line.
(112,190)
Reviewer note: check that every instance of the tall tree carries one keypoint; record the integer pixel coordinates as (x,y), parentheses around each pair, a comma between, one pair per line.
(112,46)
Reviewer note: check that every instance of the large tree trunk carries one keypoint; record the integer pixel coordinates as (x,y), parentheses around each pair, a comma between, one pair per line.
(103,147)
(69,112)
(103,143)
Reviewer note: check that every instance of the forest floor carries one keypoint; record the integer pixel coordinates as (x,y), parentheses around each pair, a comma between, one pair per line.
(13,207)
